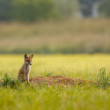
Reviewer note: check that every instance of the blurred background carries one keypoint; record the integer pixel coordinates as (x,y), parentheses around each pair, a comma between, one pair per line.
(54,26)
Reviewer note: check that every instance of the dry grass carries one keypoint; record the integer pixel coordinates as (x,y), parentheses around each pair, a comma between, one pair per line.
(87,33)
(59,80)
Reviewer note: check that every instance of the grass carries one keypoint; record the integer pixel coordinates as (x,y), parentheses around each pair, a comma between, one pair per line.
(69,36)
(87,97)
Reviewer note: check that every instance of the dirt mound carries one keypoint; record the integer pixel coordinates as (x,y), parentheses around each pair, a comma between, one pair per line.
(58,80)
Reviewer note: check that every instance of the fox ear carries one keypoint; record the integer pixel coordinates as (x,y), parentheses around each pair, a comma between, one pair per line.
(25,56)
(31,56)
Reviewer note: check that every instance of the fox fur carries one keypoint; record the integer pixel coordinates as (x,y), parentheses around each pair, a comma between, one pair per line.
(24,71)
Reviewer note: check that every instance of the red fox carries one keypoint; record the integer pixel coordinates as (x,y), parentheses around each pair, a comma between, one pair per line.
(24,71)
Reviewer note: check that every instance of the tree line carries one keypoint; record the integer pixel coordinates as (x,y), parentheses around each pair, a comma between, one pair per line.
(27,10)
(32,10)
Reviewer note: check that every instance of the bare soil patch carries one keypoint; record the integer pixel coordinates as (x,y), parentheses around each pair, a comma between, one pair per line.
(59,80)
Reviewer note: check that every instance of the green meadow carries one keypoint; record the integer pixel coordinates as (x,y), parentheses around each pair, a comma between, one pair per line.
(85,97)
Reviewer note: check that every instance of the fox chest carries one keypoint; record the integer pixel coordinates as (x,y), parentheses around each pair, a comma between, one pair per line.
(27,70)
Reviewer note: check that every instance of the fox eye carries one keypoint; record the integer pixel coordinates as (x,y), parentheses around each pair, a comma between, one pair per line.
(28,61)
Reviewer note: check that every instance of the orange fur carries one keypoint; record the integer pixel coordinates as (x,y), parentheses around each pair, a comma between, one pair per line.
(24,71)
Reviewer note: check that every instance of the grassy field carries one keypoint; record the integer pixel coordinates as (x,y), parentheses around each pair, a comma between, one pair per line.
(56,97)
(69,36)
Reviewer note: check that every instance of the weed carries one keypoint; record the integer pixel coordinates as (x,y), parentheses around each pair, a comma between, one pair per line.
(9,81)
(103,79)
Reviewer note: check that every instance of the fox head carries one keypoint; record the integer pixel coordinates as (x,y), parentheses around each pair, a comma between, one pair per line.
(28,59)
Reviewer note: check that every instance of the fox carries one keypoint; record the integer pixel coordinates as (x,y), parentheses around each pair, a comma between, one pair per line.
(23,74)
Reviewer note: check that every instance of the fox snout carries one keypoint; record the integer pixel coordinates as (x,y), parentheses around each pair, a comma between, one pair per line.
(30,63)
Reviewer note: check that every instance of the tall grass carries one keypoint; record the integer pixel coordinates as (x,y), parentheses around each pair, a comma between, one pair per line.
(69,36)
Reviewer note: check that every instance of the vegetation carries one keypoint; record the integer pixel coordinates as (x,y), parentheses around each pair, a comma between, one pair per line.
(6,8)
(32,10)
(21,96)
(72,36)
(105,8)
(67,8)
(27,10)
(35,10)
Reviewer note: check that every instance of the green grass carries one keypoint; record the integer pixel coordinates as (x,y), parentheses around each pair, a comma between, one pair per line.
(87,97)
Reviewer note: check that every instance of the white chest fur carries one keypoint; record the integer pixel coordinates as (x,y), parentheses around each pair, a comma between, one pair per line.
(27,69)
